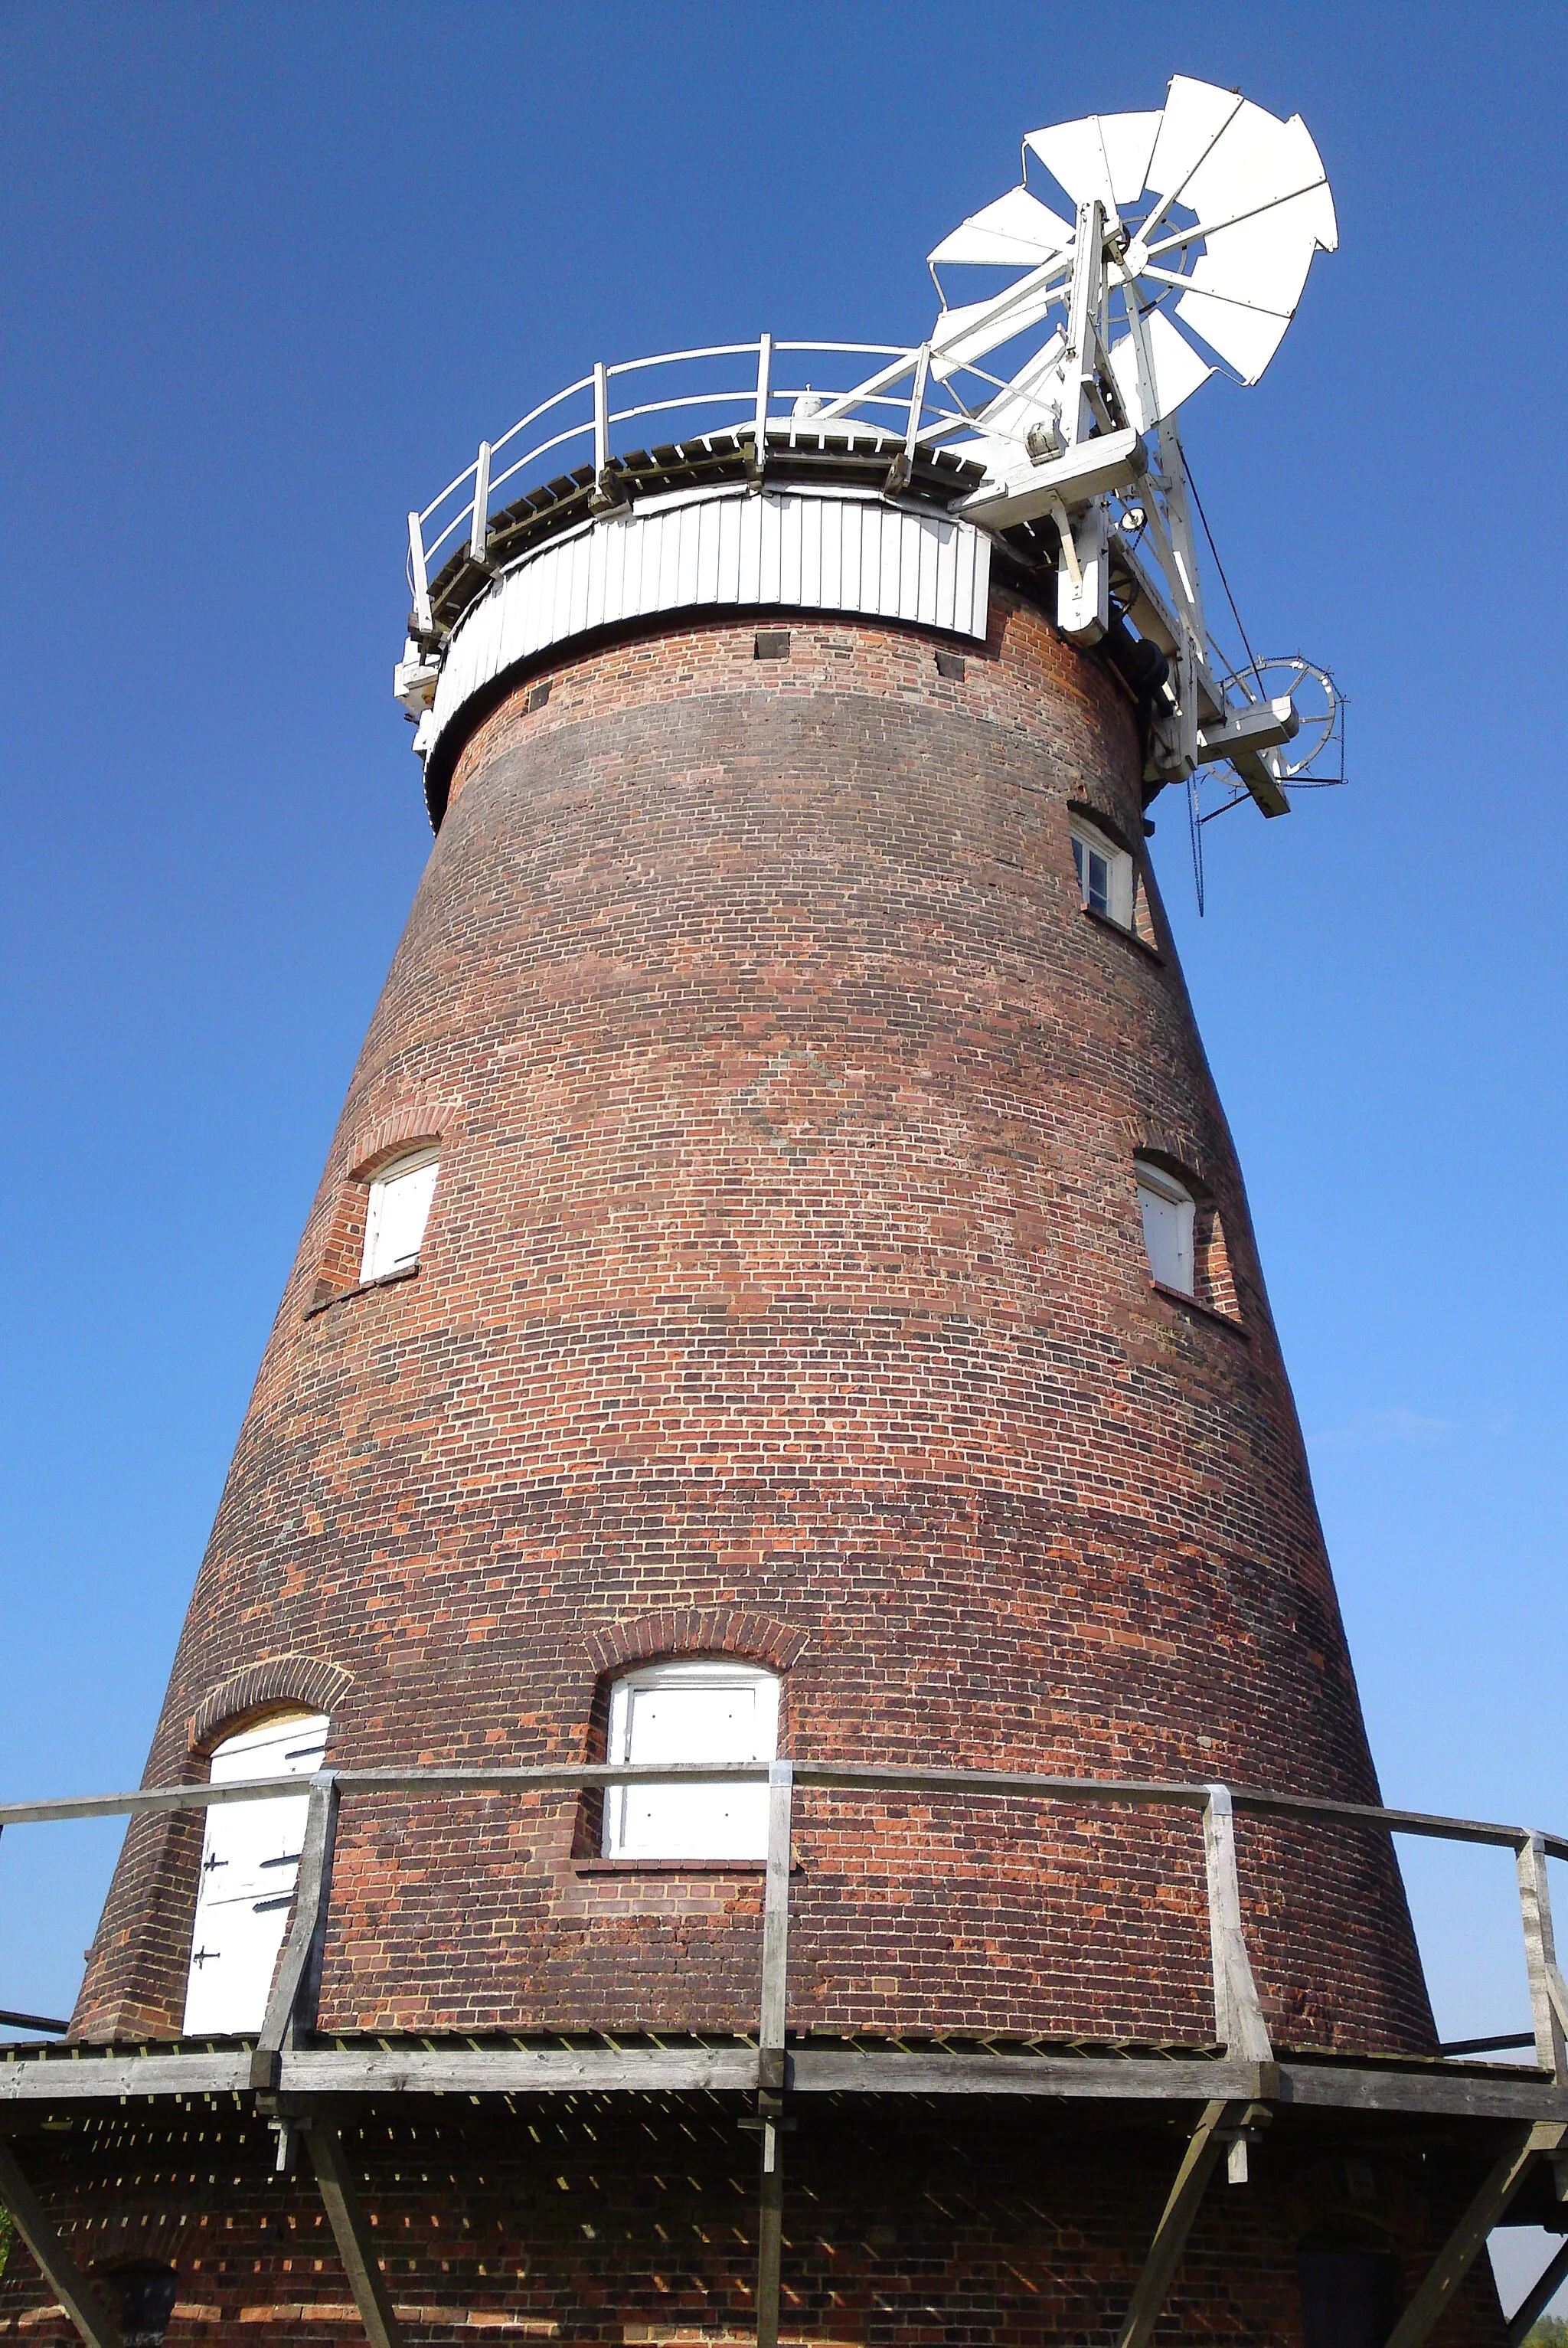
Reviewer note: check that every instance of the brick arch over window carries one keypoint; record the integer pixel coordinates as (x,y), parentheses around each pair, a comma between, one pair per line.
(413,1126)
(407,1127)
(305,1679)
(697,1630)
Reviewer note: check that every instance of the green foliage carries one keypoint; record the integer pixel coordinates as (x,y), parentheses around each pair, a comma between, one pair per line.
(1547,2331)
(7,2235)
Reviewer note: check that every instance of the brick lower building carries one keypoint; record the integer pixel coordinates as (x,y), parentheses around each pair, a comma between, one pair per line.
(832,1335)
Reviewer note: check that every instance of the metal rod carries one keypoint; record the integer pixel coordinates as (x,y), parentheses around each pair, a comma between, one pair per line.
(33,2022)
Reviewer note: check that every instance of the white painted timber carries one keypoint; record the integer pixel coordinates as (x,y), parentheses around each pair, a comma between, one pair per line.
(789,550)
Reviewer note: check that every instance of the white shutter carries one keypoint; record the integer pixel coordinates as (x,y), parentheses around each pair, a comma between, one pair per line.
(691,1712)
(250,1862)
(399,1210)
(1167,1214)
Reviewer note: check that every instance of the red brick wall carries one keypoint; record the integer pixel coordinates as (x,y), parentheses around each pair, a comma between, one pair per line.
(634,2222)
(786,1262)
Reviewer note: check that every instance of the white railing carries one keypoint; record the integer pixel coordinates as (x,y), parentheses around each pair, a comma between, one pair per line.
(752,389)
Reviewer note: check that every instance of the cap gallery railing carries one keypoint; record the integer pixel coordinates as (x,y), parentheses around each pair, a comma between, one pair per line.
(738,394)
(1239,2025)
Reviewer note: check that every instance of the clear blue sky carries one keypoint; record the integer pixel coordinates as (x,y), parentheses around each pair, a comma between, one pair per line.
(271,272)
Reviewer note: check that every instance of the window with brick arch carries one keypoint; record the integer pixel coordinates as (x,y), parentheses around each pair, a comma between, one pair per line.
(710,1710)
(250,1862)
(398,1210)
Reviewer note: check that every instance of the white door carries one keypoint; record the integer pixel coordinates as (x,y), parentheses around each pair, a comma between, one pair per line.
(250,1862)
(691,1712)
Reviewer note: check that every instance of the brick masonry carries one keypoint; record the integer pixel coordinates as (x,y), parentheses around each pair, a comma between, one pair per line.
(785,1290)
(634,2225)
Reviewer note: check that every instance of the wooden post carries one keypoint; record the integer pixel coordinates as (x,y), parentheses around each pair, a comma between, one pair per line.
(1198,2165)
(771,2056)
(1547,1998)
(1463,2246)
(1239,2025)
(340,2199)
(480,529)
(55,2262)
(292,2008)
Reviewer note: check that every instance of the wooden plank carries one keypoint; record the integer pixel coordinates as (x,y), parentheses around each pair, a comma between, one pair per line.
(292,2007)
(1548,2000)
(527,2070)
(1465,2245)
(1456,2093)
(1198,2165)
(1239,2025)
(340,2197)
(54,2260)
(822,2070)
(110,2078)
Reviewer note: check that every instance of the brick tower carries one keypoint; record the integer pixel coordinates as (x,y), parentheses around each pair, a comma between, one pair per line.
(781,1305)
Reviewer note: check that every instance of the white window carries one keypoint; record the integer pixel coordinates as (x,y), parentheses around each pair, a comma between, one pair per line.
(1167,1212)
(691,1712)
(1104,873)
(249,1860)
(399,1208)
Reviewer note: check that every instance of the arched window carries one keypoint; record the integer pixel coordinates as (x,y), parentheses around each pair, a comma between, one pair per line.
(399,1208)
(709,1711)
(249,1860)
(1168,1208)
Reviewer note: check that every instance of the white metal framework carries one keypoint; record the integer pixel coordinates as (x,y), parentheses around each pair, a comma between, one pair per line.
(1182,251)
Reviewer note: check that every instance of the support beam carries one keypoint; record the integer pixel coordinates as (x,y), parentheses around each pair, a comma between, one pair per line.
(771,2059)
(292,2009)
(1209,2140)
(1465,2245)
(1537,2300)
(55,2262)
(340,2197)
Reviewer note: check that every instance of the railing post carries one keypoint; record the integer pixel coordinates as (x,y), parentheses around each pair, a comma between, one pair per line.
(600,419)
(292,2008)
(1239,2025)
(424,620)
(901,471)
(479,530)
(1548,1996)
(764,392)
(771,2056)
